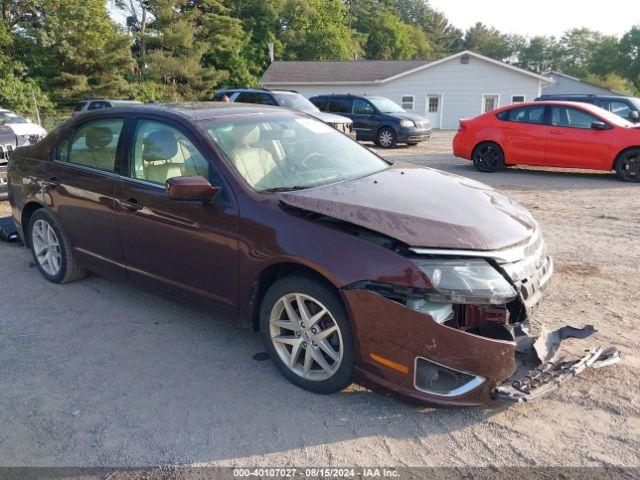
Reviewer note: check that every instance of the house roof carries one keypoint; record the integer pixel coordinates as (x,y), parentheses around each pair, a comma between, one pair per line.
(350,71)
(362,71)
(575,79)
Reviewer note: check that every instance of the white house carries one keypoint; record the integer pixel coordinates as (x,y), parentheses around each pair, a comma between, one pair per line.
(460,86)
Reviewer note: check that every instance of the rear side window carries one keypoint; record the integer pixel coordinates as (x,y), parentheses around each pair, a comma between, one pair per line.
(572,118)
(341,105)
(264,99)
(246,97)
(319,102)
(533,115)
(95,144)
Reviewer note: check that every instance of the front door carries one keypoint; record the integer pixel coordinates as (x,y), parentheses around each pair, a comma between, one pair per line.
(573,143)
(434,110)
(189,248)
(365,121)
(80,188)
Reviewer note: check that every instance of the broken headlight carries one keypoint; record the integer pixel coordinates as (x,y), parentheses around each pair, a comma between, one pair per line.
(472,281)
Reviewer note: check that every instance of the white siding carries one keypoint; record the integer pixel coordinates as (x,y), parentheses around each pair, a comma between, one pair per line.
(462,87)
(566,86)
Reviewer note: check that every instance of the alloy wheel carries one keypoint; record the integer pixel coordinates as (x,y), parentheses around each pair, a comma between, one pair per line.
(488,157)
(306,337)
(385,138)
(46,247)
(629,168)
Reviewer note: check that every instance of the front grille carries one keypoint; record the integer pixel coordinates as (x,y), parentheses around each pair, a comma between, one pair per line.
(342,127)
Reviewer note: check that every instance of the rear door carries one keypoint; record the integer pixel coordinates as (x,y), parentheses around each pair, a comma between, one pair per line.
(525,135)
(188,248)
(80,191)
(573,143)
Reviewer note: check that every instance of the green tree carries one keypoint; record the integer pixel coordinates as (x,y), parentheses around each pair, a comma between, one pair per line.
(488,41)
(72,48)
(390,38)
(316,30)
(629,54)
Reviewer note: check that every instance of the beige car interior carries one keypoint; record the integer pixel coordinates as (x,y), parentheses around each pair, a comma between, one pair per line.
(100,151)
(253,160)
(164,153)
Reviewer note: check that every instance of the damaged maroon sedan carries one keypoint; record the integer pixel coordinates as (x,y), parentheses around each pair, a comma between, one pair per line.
(396,276)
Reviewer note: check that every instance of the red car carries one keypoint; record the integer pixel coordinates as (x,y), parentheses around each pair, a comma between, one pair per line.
(551,134)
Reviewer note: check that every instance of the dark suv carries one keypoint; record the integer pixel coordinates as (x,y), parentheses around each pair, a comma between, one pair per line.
(377,119)
(625,107)
(286,99)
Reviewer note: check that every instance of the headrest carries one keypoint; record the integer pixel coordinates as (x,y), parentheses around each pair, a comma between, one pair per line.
(159,145)
(245,135)
(98,137)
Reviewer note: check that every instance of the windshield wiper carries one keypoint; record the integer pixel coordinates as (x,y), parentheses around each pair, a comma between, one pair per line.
(283,189)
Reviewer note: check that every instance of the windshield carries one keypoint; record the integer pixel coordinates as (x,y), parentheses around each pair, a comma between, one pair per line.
(294,101)
(612,117)
(289,152)
(10,117)
(384,105)
(636,103)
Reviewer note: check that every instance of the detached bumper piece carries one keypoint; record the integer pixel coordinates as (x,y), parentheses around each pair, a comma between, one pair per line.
(552,372)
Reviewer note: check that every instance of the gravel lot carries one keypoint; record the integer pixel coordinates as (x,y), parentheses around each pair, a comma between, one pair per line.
(99,374)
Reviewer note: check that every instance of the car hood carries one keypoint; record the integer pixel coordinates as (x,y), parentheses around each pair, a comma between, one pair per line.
(422,207)
(408,116)
(27,129)
(330,117)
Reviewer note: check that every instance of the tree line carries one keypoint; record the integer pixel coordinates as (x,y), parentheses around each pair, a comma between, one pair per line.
(55,52)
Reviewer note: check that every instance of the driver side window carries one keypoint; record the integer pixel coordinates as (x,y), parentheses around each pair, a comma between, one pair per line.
(362,107)
(161,152)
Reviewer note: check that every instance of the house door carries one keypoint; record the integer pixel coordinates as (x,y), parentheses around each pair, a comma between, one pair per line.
(434,110)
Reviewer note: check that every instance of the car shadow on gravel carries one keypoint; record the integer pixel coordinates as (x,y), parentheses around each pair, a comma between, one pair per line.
(98,373)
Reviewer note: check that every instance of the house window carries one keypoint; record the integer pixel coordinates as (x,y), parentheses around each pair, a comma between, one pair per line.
(434,104)
(407,103)
(518,99)
(490,102)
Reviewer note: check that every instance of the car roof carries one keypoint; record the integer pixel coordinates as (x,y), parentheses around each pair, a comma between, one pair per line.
(585,95)
(193,110)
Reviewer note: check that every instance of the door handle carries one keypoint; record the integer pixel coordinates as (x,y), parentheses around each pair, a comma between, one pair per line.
(52,183)
(130,205)
(555,133)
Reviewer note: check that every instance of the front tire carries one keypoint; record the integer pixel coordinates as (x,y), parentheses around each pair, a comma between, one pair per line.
(488,157)
(51,250)
(306,331)
(386,138)
(627,166)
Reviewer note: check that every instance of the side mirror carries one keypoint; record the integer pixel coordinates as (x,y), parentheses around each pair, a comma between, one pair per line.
(197,189)
(599,126)
(29,120)
(634,115)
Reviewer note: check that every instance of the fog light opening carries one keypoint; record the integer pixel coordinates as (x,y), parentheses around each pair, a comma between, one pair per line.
(435,379)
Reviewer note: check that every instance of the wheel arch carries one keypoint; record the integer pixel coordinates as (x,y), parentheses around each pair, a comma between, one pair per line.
(269,276)
(622,152)
(25,216)
(482,142)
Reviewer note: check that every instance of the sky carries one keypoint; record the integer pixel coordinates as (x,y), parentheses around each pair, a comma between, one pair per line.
(543,17)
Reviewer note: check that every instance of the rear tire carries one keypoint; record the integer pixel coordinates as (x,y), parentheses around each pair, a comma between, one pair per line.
(386,138)
(488,157)
(627,166)
(51,250)
(287,333)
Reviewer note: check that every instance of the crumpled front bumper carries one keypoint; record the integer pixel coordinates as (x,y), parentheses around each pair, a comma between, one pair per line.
(392,340)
